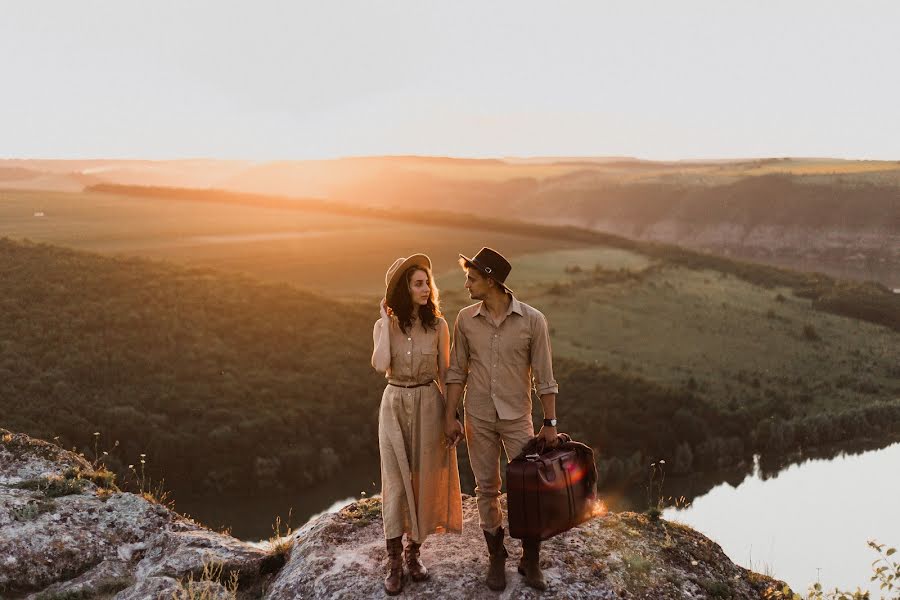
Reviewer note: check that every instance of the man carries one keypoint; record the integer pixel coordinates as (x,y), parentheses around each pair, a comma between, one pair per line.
(500,346)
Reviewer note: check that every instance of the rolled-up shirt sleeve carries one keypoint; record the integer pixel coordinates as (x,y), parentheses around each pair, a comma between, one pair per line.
(541,359)
(459,356)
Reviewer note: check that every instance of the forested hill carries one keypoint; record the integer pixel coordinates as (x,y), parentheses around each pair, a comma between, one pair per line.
(218,379)
(228,383)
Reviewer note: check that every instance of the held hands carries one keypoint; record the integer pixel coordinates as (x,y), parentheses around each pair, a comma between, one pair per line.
(454,433)
(548,434)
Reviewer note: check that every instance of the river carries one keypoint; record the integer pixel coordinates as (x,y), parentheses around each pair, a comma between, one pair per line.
(810,521)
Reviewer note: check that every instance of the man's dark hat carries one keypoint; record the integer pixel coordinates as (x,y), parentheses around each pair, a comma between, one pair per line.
(493,264)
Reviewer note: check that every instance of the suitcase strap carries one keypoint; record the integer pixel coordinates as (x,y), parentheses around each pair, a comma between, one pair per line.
(570,495)
(532,510)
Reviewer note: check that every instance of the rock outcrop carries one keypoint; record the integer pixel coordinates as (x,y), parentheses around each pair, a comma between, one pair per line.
(64,535)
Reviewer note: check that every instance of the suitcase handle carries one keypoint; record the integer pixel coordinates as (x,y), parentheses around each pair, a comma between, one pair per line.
(540,443)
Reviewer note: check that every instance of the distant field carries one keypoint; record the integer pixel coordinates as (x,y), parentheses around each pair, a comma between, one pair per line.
(726,339)
(723,337)
(332,253)
(840,217)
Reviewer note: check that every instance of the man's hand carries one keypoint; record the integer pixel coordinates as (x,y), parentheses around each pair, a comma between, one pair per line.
(549,436)
(454,432)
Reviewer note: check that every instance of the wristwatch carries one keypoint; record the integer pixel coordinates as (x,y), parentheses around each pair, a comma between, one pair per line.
(550,422)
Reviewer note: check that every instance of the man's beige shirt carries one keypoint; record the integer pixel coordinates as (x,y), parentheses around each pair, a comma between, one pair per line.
(498,364)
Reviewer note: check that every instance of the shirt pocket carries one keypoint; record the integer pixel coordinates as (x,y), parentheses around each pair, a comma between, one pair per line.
(518,348)
(427,359)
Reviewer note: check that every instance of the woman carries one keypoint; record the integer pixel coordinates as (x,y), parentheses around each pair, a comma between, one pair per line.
(419,476)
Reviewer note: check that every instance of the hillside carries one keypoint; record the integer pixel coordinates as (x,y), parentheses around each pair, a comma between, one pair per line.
(181,363)
(304,242)
(382,227)
(264,385)
(841,217)
(846,225)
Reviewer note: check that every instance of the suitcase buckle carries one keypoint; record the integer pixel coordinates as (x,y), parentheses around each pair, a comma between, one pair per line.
(532,457)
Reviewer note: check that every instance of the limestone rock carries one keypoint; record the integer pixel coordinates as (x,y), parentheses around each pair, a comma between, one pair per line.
(90,543)
(612,556)
(62,536)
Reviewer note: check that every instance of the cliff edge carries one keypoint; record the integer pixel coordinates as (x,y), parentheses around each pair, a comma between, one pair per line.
(66,532)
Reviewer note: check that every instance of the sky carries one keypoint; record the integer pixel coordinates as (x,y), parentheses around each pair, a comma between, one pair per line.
(269,80)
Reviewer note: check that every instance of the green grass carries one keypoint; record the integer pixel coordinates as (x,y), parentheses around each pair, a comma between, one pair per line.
(362,512)
(536,269)
(729,340)
(54,487)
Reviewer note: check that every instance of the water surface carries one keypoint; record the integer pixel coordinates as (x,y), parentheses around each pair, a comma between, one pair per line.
(808,522)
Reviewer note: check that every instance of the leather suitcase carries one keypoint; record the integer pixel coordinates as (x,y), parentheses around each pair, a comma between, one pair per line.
(552,491)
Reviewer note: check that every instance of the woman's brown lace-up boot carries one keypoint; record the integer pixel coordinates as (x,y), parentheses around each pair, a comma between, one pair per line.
(417,570)
(393,583)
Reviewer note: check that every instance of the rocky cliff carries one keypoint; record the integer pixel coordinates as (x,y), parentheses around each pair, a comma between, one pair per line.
(66,532)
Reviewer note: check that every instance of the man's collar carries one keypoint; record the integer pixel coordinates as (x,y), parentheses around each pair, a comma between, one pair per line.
(514,307)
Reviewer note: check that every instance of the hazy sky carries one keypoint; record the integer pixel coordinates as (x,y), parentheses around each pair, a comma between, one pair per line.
(289,80)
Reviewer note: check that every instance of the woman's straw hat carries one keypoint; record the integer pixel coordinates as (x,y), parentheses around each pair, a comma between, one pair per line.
(393,275)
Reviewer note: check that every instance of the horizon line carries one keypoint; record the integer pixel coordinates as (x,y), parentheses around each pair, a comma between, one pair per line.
(502,158)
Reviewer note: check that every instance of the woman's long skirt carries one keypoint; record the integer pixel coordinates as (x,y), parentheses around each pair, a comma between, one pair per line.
(419,476)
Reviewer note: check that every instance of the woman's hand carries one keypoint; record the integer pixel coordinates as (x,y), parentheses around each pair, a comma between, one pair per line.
(383,307)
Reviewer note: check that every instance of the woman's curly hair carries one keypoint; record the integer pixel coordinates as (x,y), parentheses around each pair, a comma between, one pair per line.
(401,303)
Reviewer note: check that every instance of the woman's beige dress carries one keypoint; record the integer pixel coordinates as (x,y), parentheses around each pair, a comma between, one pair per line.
(419,476)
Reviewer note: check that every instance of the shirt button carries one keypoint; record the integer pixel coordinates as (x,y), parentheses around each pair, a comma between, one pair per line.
(409,352)
(409,339)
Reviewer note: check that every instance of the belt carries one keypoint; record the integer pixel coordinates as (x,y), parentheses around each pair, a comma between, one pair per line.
(414,385)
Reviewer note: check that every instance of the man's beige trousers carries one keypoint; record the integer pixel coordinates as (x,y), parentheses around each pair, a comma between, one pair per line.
(484,439)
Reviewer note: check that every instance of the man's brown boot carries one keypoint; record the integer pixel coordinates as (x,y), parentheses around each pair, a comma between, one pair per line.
(393,583)
(530,564)
(496,576)
(416,569)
